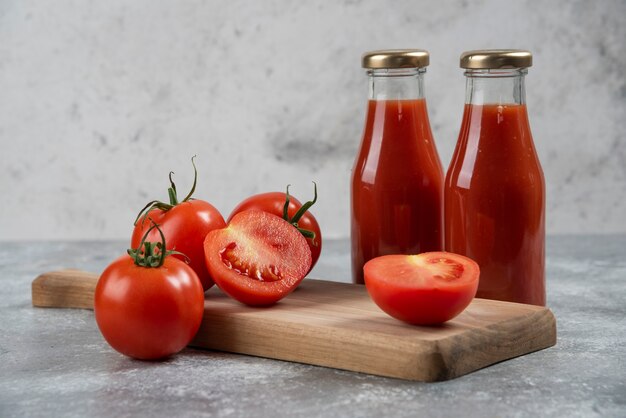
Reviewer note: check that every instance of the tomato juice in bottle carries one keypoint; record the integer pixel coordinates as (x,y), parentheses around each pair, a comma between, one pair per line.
(397,178)
(494,188)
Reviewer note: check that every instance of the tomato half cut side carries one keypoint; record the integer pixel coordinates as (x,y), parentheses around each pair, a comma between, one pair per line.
(423,289)
(258,258)
(274,202)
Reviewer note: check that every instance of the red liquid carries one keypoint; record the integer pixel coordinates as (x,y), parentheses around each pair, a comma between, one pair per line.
(397,185)
(495,203)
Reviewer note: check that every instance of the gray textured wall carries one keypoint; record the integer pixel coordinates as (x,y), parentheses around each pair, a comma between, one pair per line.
(100,99)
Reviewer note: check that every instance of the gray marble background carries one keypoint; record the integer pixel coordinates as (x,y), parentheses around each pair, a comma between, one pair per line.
(99,100)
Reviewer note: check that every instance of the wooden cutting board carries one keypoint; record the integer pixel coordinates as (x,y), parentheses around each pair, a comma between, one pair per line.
(337,325)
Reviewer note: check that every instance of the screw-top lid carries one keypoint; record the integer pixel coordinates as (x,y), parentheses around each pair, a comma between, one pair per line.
(396,58)
(496,58)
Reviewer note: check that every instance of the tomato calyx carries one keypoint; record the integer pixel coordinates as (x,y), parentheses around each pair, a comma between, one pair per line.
(151,254)
(294,220)
(172,194)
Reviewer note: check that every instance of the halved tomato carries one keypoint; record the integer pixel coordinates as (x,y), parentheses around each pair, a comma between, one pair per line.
(422,289)
(274,203)
(258,258)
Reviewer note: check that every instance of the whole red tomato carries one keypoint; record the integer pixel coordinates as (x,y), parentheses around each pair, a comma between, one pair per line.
(423,289)
(258,258)
(148,305)
(297,215)
(184,223)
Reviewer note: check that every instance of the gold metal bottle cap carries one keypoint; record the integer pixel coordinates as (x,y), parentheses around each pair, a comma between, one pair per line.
(496,58)
(396,58)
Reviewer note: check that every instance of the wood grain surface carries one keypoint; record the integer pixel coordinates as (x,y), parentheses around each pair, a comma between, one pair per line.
(337,325)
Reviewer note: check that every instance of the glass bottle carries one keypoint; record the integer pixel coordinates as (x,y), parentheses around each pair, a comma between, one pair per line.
(397,178)
(494,188)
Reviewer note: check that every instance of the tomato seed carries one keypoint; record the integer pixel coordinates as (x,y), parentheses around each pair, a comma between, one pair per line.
(263,273)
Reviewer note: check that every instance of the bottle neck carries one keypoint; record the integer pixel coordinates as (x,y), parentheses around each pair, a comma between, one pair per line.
(501,86)
(396,83)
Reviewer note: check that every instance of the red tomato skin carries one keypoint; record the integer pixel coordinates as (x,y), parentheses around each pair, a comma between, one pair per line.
(266,238)
(148,313)
(185,226)
(431,304)
(273,202)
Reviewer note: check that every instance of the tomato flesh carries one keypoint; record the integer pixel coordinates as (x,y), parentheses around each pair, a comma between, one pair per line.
(258,258)
(263,273)
(423,289)
(273,202)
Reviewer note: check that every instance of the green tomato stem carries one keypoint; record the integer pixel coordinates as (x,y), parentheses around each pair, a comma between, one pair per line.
(154,253)
(172,194)
(172,191)
(306,233)
(294,221)
(195,180)
(306,206)
(286,205)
